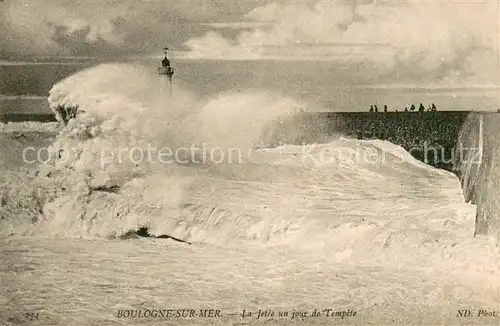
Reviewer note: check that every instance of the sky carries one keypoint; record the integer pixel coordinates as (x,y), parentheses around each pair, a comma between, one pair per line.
(442,42)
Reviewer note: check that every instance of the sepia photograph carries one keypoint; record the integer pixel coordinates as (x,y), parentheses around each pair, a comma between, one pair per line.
(249,162)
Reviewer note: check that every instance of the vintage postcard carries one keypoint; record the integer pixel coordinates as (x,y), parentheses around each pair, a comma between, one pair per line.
(249,162)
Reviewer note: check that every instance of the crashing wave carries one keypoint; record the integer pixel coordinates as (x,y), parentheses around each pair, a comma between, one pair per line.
(114,107)
(305,189)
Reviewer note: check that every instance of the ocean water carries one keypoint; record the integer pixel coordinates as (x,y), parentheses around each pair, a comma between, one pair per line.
(322,86)
(279,216)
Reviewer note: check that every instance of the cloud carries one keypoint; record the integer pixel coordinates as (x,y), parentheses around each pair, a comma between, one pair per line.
(236,25)
(400,40)
(107,27)
(453,42)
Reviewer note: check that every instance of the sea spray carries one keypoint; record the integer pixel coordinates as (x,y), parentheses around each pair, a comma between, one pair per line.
(116,107)
(281,196)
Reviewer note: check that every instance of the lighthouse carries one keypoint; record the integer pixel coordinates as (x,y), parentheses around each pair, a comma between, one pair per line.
(166,70)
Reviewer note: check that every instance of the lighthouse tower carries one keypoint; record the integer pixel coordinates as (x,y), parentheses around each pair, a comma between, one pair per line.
(166,70)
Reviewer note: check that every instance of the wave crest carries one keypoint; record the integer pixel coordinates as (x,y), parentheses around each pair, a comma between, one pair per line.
(112,107)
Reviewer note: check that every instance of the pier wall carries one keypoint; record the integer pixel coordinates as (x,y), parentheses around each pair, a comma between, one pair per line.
(428,136)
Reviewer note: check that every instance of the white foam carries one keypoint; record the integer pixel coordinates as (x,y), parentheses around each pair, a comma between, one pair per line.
(316,195)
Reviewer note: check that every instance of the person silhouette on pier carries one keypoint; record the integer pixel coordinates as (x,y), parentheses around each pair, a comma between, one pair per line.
(371,108)
(385,108)
(376,108)
(421,108)
(406,109)
(412,108)
(433,107)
